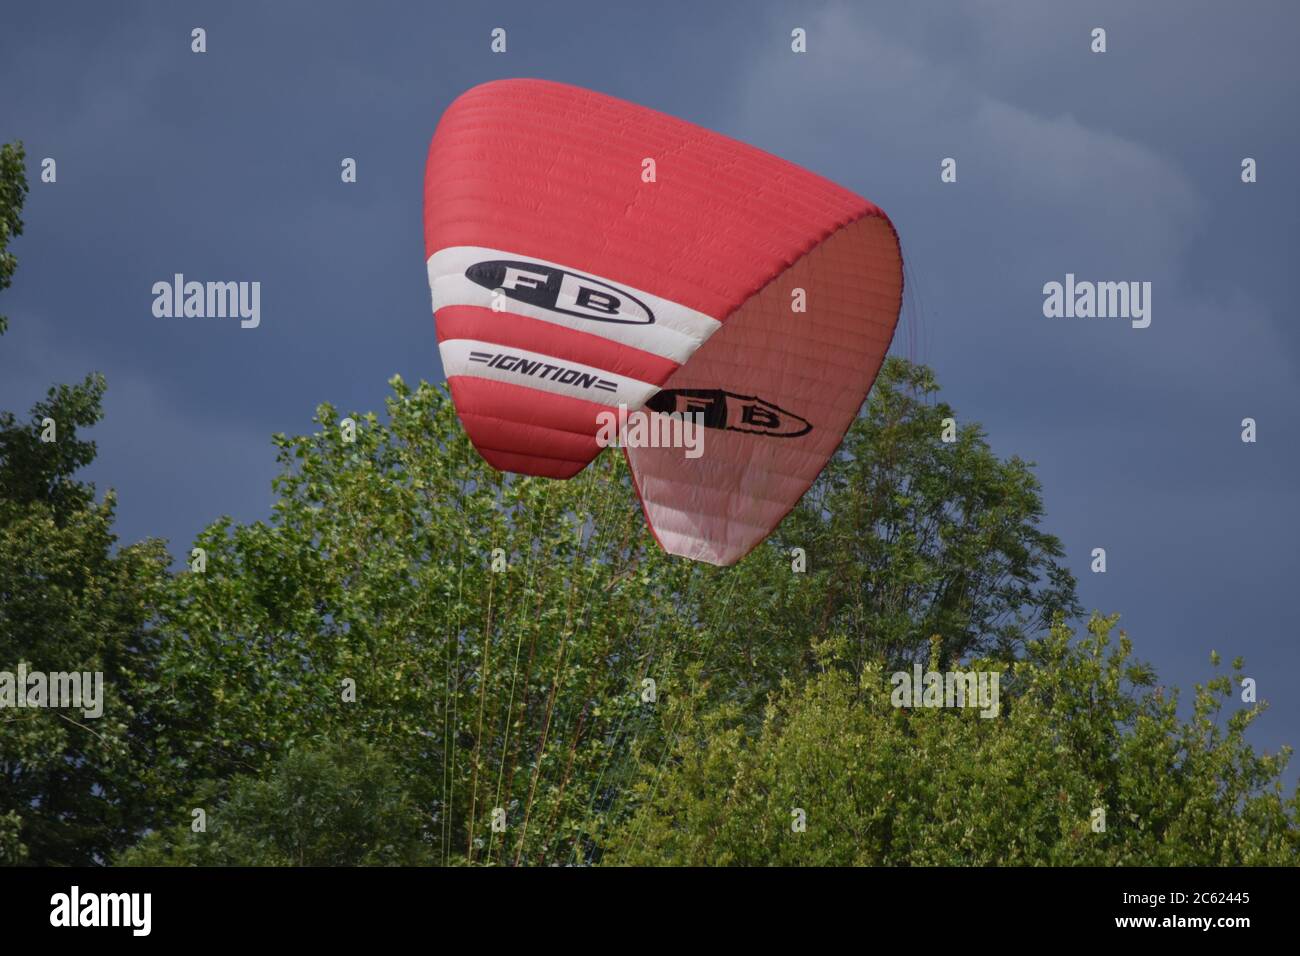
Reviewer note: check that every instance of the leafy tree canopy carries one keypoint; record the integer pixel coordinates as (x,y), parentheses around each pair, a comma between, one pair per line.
(1085,734)
(331,803)
(73,790)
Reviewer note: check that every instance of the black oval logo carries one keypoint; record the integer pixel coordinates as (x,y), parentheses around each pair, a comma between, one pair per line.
(737,413)
(558,290)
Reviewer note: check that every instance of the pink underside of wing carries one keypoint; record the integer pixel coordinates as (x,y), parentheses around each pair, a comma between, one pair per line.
(818,364)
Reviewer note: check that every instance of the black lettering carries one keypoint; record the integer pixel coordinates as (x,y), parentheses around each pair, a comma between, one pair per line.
(596,301)
(758,416)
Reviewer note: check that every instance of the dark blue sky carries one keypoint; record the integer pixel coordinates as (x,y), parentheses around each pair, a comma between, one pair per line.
(1120,166)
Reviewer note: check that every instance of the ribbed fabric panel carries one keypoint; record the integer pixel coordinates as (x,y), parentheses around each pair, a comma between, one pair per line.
(817,366)
(514,431)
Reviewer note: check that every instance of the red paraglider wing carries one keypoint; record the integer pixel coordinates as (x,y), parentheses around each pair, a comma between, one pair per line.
(583,250)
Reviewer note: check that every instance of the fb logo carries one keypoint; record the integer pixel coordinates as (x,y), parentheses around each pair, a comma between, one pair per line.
(737,413)
(557,290)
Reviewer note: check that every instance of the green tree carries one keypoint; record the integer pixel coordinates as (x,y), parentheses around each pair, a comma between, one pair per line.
(13,191)
(71,786)
(879,784)
(492,633)
(904,535)
(327,803)
(913,535)
(505,635)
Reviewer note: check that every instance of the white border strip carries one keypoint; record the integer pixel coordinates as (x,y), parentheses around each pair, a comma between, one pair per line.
(675,334)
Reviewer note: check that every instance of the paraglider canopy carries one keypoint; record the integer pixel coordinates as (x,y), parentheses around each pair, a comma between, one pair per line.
(571,277)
